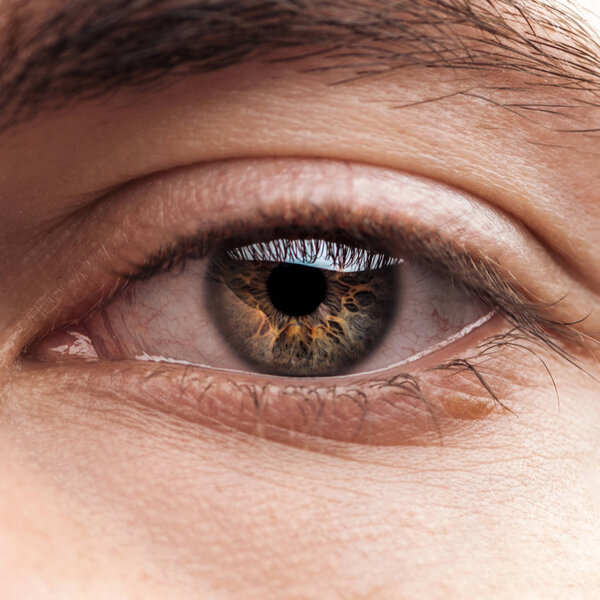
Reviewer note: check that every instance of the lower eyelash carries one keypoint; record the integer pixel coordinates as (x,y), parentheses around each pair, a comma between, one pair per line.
(420,408)
(402,409)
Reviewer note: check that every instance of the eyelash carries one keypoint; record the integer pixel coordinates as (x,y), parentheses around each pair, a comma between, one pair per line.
(480,276)
(531,324)
(308,250)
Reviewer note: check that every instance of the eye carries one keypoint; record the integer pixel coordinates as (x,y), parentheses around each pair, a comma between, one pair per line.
(335,301)
(292,307)
(302,307)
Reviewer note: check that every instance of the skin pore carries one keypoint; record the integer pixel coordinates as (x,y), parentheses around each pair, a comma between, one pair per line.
(114,485)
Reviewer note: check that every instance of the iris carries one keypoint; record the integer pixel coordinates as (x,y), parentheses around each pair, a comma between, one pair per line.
(303,307)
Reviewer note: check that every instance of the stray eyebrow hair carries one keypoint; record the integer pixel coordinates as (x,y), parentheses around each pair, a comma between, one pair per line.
(86,49)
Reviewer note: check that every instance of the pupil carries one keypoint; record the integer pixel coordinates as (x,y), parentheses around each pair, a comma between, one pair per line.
(296,290)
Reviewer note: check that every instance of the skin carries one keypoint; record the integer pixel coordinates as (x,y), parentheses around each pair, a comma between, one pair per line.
(107,491)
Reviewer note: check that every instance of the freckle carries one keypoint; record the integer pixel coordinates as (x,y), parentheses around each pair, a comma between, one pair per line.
(463,406)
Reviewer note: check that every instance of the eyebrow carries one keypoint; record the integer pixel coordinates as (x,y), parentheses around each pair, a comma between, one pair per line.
(87,49)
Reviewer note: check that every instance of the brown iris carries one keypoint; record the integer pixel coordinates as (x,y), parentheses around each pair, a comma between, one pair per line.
(302,307)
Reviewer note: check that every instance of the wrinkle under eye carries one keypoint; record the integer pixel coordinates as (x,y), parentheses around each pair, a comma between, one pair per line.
(319,310)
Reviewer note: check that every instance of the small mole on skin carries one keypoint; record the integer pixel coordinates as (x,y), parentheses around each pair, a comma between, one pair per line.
(464,406)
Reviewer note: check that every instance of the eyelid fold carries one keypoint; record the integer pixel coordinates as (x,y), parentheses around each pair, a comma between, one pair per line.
(410,213)
(145,218)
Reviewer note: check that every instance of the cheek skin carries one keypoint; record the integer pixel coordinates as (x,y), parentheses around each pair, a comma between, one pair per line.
(194,510)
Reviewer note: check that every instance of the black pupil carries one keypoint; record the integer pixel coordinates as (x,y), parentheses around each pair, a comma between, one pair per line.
(296,290)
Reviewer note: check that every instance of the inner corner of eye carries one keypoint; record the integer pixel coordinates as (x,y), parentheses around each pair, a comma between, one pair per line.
(72,342)
(297,307)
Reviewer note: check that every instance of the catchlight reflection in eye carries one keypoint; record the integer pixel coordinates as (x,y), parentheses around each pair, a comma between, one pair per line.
(287,307)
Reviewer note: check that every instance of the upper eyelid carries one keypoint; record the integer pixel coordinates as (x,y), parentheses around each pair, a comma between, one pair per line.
(124,223)
(474,225)
(479,276)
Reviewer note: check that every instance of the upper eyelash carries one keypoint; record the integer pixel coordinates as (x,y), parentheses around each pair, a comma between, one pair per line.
(309,250)
(338,244)
(530,320)
(481,276)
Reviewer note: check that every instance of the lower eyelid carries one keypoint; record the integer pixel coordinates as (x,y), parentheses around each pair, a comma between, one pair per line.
(419,407)
(384,411)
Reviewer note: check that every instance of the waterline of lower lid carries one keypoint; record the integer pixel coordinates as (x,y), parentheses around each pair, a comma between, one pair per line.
(145,357)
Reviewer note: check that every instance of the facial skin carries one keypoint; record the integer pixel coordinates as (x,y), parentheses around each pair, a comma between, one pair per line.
(113,486)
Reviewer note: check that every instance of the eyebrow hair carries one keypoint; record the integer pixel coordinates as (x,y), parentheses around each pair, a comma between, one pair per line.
(86,49)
